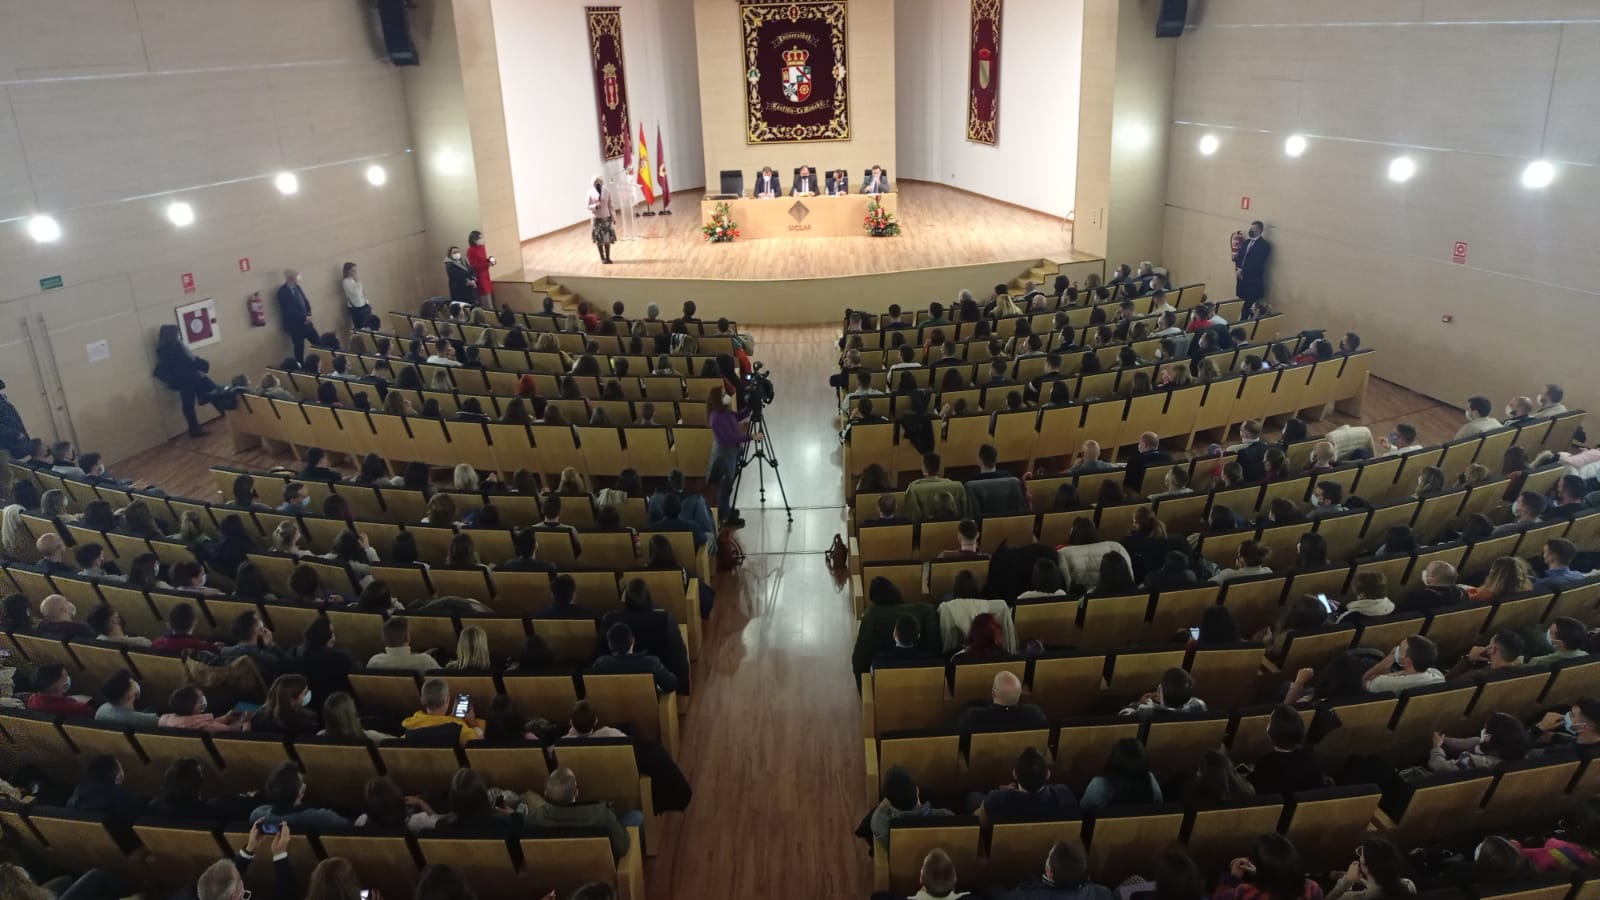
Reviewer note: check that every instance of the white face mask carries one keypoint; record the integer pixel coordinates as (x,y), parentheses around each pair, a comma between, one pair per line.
(305,699)
(1316,500)
(456,257)
(1516,510)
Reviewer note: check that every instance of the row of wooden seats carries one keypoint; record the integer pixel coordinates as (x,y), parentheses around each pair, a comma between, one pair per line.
(1378,481)
(672,394)
(623,698)
(571,341)
(490,447)
(976,351)
(1179,413)
(1348,535)
(171,854)
(1185,299)
(975,369)
(1324,825)
(1071,683)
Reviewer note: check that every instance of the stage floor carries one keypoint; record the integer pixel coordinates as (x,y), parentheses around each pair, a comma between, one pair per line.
(940,227)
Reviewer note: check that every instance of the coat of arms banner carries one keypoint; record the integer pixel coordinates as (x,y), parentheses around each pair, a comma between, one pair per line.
(983,76)
(610,84)
(794,58)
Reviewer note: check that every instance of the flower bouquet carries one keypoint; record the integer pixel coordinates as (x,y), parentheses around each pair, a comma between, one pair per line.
(722,228)
(879,221)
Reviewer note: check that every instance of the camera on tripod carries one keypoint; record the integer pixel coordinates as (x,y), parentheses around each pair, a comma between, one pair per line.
(759,390)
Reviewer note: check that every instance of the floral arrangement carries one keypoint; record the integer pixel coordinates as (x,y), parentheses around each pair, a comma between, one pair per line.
(879,221)
(722,228)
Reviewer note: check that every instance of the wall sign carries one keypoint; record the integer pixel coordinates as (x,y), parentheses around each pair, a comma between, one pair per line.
(50,282)
(198,323)
(244,264)
(188,282)
(1458,254)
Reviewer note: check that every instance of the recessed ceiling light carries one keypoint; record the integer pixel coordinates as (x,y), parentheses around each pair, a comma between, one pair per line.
(180,214)
(44,229)
(1209,144)
(1401,168)
(1538,174)
(376,176)
(1295,145)
(287,182)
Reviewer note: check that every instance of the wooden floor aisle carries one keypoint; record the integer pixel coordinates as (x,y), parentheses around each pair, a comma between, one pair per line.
(772,743)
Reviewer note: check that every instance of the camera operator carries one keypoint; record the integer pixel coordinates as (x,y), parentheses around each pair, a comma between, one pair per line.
(732,381)
(728,440)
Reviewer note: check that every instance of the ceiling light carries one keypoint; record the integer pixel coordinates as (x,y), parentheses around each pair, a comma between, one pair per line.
(287,183)
(1209,144)
(1401,168)
(376,176)
(1538,174)
(1295,145)
(180,214)
(44,229)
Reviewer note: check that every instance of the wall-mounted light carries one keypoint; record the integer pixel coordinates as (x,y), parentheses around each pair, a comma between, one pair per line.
(1209,144)
(376,175)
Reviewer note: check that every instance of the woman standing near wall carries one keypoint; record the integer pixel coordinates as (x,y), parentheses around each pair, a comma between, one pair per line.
(480,260)
(183,372)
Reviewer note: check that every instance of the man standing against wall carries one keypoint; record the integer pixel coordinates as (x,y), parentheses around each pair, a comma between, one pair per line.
(1250,267)
(296,311)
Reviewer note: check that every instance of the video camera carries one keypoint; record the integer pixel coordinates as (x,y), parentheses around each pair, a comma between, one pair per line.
(759,390)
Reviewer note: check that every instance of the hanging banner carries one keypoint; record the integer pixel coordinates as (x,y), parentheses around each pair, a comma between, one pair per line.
(610,84)
(983,74)
(794,56)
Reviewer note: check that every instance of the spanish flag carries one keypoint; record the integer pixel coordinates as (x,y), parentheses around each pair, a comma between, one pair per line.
(645,178)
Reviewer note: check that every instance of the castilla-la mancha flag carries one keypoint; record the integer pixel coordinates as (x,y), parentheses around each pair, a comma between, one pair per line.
(661,170)
(645,178)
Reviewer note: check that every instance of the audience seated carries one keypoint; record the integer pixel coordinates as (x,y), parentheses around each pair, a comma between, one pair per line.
(901,799)
(562,809)
(1173,696)
(56,619)
(1126,779)
(285,794)
(1030,792)
(623,660)
(1005,710)
(122,700)
(436,701)
(1409,665)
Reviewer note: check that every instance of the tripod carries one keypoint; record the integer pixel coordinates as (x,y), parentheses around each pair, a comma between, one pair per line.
(765,455)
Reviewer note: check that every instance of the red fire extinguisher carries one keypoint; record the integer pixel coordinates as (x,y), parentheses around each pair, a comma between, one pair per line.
(258,310)
(1235,242)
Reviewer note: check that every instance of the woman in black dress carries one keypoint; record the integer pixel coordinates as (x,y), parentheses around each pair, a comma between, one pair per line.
(183,372)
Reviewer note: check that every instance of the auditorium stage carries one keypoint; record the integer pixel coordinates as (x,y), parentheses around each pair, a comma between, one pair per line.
(940,227)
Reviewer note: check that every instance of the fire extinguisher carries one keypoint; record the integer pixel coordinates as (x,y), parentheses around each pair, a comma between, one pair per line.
(1235,242)
(258,310)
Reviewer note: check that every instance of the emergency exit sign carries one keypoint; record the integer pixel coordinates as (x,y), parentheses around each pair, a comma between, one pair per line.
(50,283)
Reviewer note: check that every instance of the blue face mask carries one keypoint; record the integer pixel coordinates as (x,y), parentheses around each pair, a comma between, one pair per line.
(1572,726)
(305,699)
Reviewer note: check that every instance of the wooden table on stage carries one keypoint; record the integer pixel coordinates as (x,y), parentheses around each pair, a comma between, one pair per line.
(800,217)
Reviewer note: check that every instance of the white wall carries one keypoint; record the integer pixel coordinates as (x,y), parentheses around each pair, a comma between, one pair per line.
(1041,46)
(550,116)
(113,108)
(1472,91)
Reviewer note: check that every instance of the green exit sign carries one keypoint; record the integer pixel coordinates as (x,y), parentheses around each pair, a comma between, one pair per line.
(50,283)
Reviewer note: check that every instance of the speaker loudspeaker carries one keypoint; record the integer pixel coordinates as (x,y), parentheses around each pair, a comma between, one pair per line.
(393,16)
(1171,20)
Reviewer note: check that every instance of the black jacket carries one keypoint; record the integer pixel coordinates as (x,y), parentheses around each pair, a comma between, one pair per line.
(293,307)
(636,664)
(459,274)
(655,633)
(994,717)
(1139,462)
(179,369)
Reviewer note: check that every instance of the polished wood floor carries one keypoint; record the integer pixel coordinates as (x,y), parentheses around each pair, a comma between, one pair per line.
(772,743)
(941,227)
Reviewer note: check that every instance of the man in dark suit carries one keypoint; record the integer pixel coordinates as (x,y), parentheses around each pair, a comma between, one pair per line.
(876,183)
(838,183)
(1250,267)
(296,312)
(1149,454)
(767,185)
(1005,709)
(804,184)
(623,661)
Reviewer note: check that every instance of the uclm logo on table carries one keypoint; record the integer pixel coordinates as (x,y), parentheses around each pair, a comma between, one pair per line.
(796,75)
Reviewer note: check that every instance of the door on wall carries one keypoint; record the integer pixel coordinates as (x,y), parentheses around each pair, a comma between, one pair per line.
(28,370)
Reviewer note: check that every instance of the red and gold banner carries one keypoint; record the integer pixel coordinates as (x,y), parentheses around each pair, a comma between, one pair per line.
(794,56)
(610,83)
(983,75)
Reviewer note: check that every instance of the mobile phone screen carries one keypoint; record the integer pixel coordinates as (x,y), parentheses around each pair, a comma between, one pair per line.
(463,701)
(269,827)
(1326,603)
(1194,634)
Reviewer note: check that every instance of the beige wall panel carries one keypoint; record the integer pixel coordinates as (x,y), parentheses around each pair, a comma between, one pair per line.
(185,34)
(1242,81)
(1477,88)
(1573,131)
(720,42)
(1499,10)
(338,112)
(1211,13)
(16,192)
(56,38)
(98,140)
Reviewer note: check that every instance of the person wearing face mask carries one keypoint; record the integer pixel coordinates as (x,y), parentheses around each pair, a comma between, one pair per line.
(122,699)
(463,282)
(1478,418)
(602,212)
(287,709)
(295,498)
(285,793)
(1576,726)
(729,441)
(1519,411)
(1250,267)
(295,311)
(1567,637)
(1502,739)
(1378,873)
(51,687)
(189,710)
(1409,666)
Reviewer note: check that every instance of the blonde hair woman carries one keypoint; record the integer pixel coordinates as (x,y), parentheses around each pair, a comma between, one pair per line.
(571,484)
(472,651)
(465,478)
(286,538)
(341,719)
(1507,576)
(15,541)
(189,528)
(441,382)
(1209,371)
(546,342)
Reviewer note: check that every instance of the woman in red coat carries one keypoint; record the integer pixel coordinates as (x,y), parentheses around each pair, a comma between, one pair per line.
(479,259)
